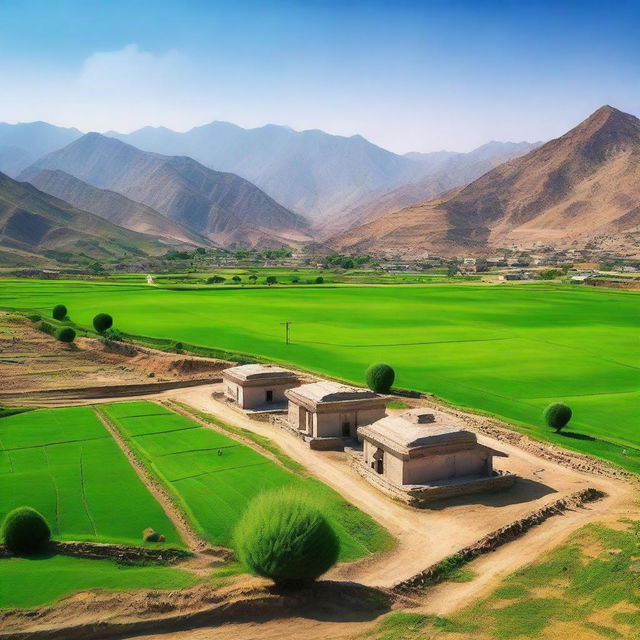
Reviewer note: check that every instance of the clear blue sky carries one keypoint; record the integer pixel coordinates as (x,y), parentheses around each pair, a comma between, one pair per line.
(407,75)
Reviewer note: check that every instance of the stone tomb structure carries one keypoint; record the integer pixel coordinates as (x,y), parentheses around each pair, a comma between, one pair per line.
(258,386)
(418,458)
(327,414)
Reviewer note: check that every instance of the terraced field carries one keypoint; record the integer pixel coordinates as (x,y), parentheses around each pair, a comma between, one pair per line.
(65,464)
(214,476)
(507,350)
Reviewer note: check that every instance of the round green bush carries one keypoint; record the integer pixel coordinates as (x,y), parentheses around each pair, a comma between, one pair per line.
(25,531)
(380,377)
(283,536)
(557,415)
(66,334)
(59,312)
(102,322)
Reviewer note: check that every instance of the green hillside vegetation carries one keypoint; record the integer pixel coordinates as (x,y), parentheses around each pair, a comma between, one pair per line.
(507,350)
(64,464)
(588,587)
(214,477)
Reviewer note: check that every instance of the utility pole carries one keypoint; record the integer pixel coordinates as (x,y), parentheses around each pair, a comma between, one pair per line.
(286,325)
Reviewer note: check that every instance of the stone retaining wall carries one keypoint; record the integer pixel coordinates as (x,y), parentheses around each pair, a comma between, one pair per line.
(122,554)
(433,574)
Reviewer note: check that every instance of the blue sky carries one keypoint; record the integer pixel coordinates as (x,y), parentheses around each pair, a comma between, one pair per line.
(407,75)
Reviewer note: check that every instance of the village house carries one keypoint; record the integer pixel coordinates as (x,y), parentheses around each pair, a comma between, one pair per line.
(326,413)
(254,386)
(419,458)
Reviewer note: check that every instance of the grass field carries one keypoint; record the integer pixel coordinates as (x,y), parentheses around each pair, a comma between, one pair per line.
(214,476)
(30,582)
(588,587)
(507,350)
(65,464)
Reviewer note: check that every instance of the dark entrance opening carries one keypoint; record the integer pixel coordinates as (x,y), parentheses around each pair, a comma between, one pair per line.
(379,466)
(346,429)
(269,396)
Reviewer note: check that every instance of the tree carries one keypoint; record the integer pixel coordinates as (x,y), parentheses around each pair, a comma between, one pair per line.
(319,280)
(216,280)
(380,377)
(284,536)
(452,270)
(557,415)
(59,312)
(271,280)
(97,268)
(102,322)
(253,277)
(66,334)
(237,279)
(25,531)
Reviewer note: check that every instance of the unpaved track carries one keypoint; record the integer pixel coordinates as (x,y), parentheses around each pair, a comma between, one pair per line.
(424,537)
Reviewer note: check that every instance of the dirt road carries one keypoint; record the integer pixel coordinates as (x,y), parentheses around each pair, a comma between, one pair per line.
(424,537)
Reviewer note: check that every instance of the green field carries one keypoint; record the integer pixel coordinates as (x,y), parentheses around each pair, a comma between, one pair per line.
(503,349)
(214,476)
(588,587)
(65,464)
(30,582)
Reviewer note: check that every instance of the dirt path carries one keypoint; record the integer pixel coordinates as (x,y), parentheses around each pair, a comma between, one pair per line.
(427,536)
(191,539)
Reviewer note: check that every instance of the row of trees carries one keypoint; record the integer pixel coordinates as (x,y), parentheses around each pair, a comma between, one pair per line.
(102,323)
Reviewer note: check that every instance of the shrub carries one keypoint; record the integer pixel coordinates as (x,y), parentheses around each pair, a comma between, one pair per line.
(25,531)
(237,279)
(151,535)
(47,328)
(215,280)
(66,334)
(178,346)
(284,536)
(112,334)
(102,322)
(319,280)
(271,280)
(380,377)
(59,312)
(557,415)
(34,317)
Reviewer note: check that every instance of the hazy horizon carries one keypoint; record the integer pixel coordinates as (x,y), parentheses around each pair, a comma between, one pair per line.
(412,76)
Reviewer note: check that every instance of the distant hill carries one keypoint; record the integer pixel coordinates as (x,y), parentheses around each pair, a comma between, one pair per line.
(220,206)
(443,171)
(35,223)
(113,207)
(582,189)
(310,172)
(25,142)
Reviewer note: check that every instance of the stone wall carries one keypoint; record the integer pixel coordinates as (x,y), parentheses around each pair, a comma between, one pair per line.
(433,574)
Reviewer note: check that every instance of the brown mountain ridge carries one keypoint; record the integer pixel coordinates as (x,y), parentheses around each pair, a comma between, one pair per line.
(581,189)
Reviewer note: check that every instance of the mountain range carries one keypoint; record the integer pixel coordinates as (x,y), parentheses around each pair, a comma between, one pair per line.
(582,189)
(221,206)
(33,224)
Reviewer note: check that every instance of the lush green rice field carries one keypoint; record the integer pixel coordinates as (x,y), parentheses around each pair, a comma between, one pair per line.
(65,464)
(30,582)
(504,349)
(214,476)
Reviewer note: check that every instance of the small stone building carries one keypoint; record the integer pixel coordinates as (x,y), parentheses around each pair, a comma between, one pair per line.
(325,413)
(253,386)
(419,458)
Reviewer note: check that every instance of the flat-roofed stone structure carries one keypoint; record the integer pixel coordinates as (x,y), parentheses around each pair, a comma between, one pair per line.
(326,413)
(258,386)
(420,458)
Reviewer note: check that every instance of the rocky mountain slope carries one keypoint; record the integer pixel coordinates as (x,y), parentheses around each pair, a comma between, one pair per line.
(35,223)
(221,206)
(310,172)
(582,189)
(25,142)
(443,171)
(113,207)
